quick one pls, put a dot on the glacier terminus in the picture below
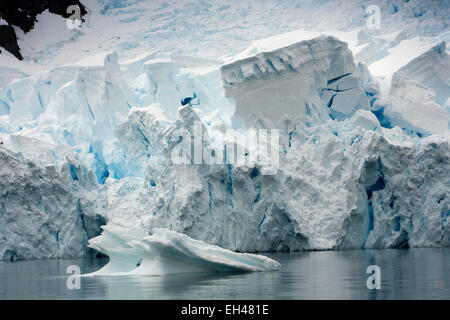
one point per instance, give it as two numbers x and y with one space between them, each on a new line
357 126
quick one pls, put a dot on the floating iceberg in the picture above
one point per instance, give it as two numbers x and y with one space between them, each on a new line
132 252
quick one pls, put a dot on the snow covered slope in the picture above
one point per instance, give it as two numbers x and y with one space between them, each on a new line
212 29
363 157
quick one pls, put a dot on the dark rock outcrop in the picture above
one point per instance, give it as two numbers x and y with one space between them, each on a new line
22 14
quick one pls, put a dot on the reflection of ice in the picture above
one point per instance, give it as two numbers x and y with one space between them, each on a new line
132 252
405 274
203 285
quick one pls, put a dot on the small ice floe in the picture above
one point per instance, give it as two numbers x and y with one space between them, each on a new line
133 252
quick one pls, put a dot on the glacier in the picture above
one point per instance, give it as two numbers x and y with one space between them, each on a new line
290 78
46 211
363 155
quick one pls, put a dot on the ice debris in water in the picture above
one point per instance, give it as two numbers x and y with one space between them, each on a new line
133 252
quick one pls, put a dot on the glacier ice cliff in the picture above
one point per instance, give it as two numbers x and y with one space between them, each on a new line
430 69
46 211
418 93
282 83
91 143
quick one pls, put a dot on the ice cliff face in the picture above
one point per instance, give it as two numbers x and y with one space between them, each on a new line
292 81
46 211
412 105
97 139
419 91
430 69
339 186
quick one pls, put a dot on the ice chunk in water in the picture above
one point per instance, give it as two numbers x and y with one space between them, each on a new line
132 252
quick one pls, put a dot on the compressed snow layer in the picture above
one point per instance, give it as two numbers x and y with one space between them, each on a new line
432 69
289 81
413 106
131 252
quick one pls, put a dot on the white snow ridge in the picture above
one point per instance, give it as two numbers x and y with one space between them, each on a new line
363 158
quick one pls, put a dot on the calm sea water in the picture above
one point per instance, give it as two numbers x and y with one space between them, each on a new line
405 274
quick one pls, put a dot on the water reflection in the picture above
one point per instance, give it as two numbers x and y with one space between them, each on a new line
405 274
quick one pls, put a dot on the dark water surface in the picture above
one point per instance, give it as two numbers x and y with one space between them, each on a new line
405 274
